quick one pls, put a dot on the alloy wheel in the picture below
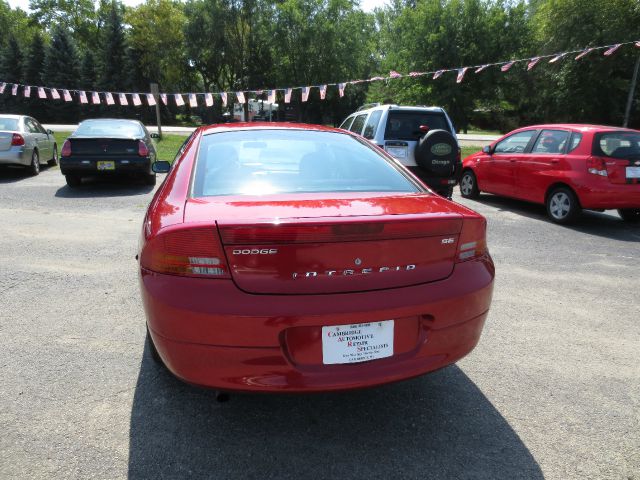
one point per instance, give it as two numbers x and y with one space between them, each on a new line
466 184
560 205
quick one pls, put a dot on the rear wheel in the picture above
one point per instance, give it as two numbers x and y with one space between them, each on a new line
562 205
629 214
54 160
73 180
34 168
469 185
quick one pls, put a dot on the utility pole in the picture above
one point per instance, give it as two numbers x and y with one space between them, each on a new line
156 96
632 90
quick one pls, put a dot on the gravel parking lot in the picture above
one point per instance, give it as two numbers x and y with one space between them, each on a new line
552 390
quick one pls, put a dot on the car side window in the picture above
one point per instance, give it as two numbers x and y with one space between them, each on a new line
182 147
576 138
31 126
347 123
516 143
372 125
358 123
551 142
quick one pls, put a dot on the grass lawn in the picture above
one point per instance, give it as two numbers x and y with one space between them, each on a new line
468 150
166 148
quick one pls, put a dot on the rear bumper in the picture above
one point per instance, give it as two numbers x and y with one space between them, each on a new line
89 166
212 334
437 183
15 156
606 195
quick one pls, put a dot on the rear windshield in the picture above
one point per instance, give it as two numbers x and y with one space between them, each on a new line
617 145
8 124
406 125
260 162
109 128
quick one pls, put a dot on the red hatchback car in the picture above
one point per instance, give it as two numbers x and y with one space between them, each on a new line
281 257
565 167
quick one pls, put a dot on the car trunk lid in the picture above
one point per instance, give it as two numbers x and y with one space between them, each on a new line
5 140
103 147
349 243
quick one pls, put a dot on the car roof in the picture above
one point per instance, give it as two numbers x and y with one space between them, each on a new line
579 127
406 108
132 120
230 127
9 115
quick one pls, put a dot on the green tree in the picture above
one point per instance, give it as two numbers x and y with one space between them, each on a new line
11 62
112 50
61 65
76 16
34 65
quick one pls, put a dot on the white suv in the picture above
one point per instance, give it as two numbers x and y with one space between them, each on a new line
421 138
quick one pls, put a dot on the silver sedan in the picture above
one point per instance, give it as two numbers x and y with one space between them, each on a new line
23 141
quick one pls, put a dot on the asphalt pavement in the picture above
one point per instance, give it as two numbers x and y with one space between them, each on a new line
551 391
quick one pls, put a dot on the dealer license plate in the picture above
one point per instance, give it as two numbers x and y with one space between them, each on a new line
106 165
633 172
357 343
397 152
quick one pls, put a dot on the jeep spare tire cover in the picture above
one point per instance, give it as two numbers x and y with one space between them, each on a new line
437 152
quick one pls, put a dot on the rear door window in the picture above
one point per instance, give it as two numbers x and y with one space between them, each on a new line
551 142
372 124
576 138
617 145
358 123
516 143
347 123
405 125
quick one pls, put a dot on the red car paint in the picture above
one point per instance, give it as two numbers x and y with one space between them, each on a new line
531 176
341 258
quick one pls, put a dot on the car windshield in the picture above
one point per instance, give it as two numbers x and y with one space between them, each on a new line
267 161
10 124
617 144
109 128
406 125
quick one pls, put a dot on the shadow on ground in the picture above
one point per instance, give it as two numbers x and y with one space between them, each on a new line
607 225
93 187
437 426
11 174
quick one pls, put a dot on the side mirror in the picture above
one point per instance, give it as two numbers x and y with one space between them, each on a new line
154 135
49 131
486 149
161 166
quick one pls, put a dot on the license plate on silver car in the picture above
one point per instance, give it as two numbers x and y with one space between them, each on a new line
397 152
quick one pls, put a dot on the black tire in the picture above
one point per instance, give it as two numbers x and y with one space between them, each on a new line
150 179
469 185
73 181
631 215
34 168
562 205
437 154
54 161
153 351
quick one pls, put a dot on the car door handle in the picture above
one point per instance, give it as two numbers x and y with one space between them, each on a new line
555 160
512 160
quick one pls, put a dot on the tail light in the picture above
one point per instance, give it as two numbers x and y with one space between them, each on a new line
596 166
143 150
66 149
193 252
473 239
459 156
17 140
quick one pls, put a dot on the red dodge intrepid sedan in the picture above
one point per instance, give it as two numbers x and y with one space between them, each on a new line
565 167
294 258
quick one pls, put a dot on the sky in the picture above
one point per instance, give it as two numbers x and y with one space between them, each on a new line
367 5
